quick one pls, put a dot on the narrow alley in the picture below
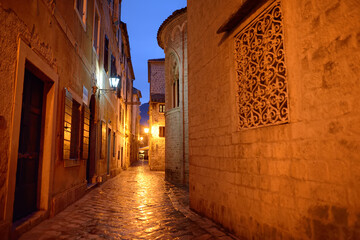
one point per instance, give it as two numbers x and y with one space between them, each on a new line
180 119
136 204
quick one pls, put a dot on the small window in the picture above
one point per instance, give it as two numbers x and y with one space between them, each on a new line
162 108
80 8
161 131
96 33
106 54
113 66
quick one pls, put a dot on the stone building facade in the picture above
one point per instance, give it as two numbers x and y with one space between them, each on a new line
156 114
172 37
273 117
135 125
61 126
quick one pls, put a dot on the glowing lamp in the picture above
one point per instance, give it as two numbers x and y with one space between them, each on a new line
114 81
146 130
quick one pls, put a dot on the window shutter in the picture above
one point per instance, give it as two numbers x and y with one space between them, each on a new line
67 124
86 132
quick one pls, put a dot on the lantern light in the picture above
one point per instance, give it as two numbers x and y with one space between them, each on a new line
114 82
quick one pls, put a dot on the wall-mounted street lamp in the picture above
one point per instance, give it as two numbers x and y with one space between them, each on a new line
146 130
114 82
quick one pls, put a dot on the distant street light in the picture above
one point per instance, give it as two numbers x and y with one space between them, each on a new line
146 130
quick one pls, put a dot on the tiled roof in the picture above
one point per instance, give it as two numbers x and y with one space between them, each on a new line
157 60
158 97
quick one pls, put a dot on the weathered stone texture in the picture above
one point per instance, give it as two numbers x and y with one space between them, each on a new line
293 181
157 75
11 26
156 143
174 147
52 32
173 38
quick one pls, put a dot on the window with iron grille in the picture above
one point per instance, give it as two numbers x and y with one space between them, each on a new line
261 72
162 108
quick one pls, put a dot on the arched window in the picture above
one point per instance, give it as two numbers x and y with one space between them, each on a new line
174 76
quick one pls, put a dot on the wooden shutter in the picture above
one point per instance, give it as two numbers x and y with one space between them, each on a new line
67 124
86 132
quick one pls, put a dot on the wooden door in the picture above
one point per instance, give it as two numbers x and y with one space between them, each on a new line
26 190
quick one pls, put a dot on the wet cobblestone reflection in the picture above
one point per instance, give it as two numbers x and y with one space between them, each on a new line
137 204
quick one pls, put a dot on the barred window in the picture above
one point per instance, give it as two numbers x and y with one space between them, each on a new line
162 108
260 70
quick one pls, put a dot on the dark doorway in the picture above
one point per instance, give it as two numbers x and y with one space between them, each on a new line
26 189
108 151
122 156
90 163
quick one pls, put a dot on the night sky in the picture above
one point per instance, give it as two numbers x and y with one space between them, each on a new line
143 19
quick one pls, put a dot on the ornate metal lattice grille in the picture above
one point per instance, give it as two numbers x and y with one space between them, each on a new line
261 72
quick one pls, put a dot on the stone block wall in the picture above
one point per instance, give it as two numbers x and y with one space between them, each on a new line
156 118
156 143
297 180
58 48
174 147
172 36
157 76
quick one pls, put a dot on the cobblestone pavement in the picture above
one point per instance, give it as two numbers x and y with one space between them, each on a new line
136 204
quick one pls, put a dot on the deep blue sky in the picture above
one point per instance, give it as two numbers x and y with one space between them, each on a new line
143 19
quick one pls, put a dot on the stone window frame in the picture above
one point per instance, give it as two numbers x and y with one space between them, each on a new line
82 16
71 98
248 23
